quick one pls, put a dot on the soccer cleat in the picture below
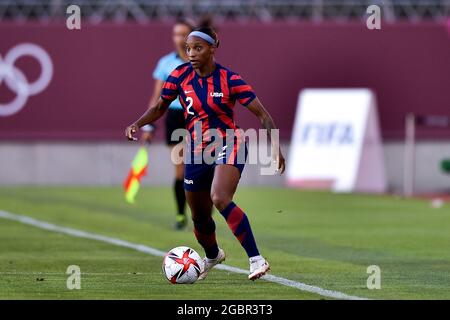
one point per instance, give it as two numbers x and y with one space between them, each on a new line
181 222
258 267
210 263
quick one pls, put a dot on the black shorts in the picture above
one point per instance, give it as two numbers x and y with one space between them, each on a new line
174 120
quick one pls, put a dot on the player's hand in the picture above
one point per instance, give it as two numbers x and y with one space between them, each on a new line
279 160
281 163
130 131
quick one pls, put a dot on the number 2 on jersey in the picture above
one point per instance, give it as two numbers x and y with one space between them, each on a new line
189 101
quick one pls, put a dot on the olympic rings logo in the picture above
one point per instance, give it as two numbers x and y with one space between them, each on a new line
15 79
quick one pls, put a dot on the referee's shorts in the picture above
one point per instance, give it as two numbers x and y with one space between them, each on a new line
174 120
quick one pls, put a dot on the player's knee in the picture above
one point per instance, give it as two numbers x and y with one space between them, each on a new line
220 200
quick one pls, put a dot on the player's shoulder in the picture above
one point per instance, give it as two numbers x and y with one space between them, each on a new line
184 66
181 71
231 75
178 74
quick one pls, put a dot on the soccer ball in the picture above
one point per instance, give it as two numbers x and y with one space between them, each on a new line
182 265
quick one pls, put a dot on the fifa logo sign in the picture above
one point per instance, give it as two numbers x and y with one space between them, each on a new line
327 133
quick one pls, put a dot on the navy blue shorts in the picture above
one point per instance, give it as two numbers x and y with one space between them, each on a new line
199 176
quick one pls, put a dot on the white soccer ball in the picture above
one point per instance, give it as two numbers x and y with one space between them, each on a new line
182 265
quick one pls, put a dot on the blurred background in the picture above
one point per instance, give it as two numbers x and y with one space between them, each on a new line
64 125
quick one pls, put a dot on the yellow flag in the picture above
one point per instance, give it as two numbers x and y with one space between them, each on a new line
138 170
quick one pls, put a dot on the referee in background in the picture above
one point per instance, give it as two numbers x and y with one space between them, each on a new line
175 115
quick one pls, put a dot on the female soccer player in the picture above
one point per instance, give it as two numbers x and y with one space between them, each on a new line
175 114
208 92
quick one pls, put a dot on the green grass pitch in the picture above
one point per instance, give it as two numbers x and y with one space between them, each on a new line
318 238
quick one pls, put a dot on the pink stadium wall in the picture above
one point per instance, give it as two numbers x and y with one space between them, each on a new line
102 74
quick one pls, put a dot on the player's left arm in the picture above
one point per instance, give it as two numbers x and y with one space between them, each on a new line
256 107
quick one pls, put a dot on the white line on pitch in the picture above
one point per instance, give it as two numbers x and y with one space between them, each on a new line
155 252
82 273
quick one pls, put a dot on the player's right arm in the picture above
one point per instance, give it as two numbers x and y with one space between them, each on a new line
169 92
151 115
159 75
149 130
156 92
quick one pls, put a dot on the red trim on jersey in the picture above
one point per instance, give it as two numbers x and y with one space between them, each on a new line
240 89
245 100
178 72
169 85
224 86
188 78
222 111
219 112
